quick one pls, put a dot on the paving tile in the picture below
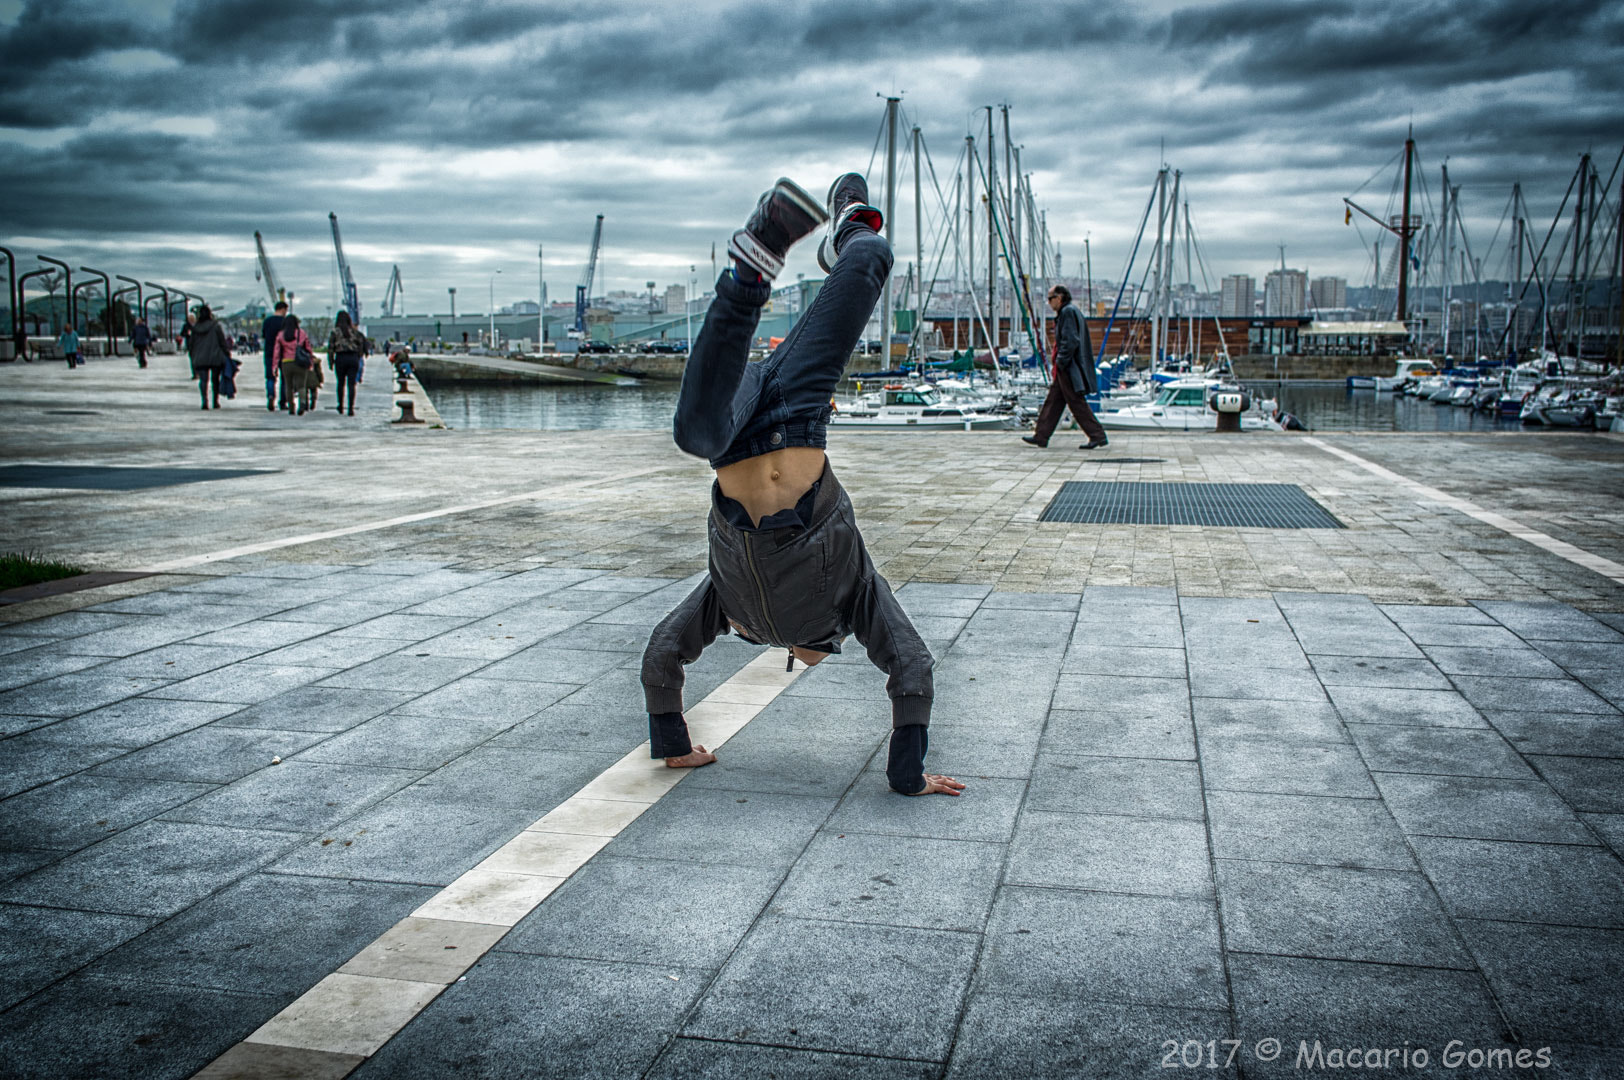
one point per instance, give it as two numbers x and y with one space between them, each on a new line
38 757
405 741
1241 683
984 691
1556 622
900 881
746 828
1113 734
1140 787
1034 601
1137 595
1609 684
1149 950
1588 784
1299 1001
1336 913
805 762
248 1059
71 624
1156 627
1538 732
1515 663
268 933
960 751
181 661
14 864
1545 695
602 637
493 700
1464 635
1125 660
544 1017
489 896
1543 883
1610 827
141 721
1379 671
24 666
707 1059
70 695
404 671
1484 808
348 1014
1284 765
1111 853
295 795
79 810
327 651
648 911
318 708
246 684
1306 829
156 868
1451 751
1296 722
518 778
1554 982
1583 655
40 945
887 990
577 727
541 663
1010 632
552 855
984 811
91 1027
209 755
1414 708
1007 1035
264 635
1126 694
152 632
424 950
337 611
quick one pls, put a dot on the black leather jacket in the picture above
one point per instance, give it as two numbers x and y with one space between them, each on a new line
1075 353
793 586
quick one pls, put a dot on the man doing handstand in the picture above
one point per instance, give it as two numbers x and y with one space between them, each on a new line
787 564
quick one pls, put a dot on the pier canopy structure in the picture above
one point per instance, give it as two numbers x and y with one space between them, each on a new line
1353 338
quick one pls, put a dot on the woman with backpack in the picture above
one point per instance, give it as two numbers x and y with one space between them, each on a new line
344 349
210 351
296 359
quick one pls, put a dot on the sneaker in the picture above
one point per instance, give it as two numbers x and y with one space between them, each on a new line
785 215
848 198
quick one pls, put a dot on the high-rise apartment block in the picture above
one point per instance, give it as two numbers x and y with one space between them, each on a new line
1237 298
1285 292
1328 293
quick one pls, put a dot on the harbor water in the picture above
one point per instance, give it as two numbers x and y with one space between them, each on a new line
568 407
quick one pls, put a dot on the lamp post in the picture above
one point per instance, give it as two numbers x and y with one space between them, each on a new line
688 309
140 302
453 293
12 303
67 286
165 294
107 315
492 284
541 318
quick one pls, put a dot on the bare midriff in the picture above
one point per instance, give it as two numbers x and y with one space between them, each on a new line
771 482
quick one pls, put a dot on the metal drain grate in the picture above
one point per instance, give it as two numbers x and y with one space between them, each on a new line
1257 506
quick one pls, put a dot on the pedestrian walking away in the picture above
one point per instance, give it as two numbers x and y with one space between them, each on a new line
788 567
210 351
268 330
69 344
296 361
140 341
1074 375
345 346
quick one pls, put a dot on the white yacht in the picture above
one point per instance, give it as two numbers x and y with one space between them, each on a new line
1181 406
914 407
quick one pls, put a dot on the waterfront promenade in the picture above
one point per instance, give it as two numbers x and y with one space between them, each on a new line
351 781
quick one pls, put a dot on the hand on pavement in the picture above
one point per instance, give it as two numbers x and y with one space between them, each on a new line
940 785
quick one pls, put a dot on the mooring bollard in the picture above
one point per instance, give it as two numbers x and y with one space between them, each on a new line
1229 402
408 414
401 387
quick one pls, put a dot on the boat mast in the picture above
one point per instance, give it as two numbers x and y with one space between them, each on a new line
1404 239
919 242
1169 320
1514 316
1446 251
1618 274
970 226
1189 278
886 315
958 201
1573 265
1156 280
993 319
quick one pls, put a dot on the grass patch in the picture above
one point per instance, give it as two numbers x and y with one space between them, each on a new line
19 568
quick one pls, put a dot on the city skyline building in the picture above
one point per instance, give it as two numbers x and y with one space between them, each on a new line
1328 293
1238 297
1285 292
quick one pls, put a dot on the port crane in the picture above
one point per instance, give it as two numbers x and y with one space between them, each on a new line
395 295
583 291
266 274
346 280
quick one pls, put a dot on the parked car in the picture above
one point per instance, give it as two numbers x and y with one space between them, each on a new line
596 347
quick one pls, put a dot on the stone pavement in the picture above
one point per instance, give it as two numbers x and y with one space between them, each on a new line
1224 784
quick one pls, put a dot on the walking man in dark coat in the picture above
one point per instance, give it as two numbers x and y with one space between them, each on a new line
268 330
1074 375
141 341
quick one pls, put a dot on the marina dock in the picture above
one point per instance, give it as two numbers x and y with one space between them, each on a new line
348 776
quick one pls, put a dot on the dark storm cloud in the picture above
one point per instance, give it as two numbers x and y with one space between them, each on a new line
450 129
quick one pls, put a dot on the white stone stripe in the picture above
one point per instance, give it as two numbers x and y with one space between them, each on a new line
387 523
361 1006
1577 555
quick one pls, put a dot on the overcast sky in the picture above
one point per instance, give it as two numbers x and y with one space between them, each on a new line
152 137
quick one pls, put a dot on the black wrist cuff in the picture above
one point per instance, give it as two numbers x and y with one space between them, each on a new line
667 735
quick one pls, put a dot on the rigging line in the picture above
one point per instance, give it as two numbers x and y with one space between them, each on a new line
879 136
1127 273
1009 265
1488 253
1535 270
1379 170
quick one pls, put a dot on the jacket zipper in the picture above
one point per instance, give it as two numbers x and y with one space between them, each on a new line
761 592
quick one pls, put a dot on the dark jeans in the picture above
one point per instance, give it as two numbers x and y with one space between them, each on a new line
730 409
270 382
1060 396
348 367
207 379
141 355
73 359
